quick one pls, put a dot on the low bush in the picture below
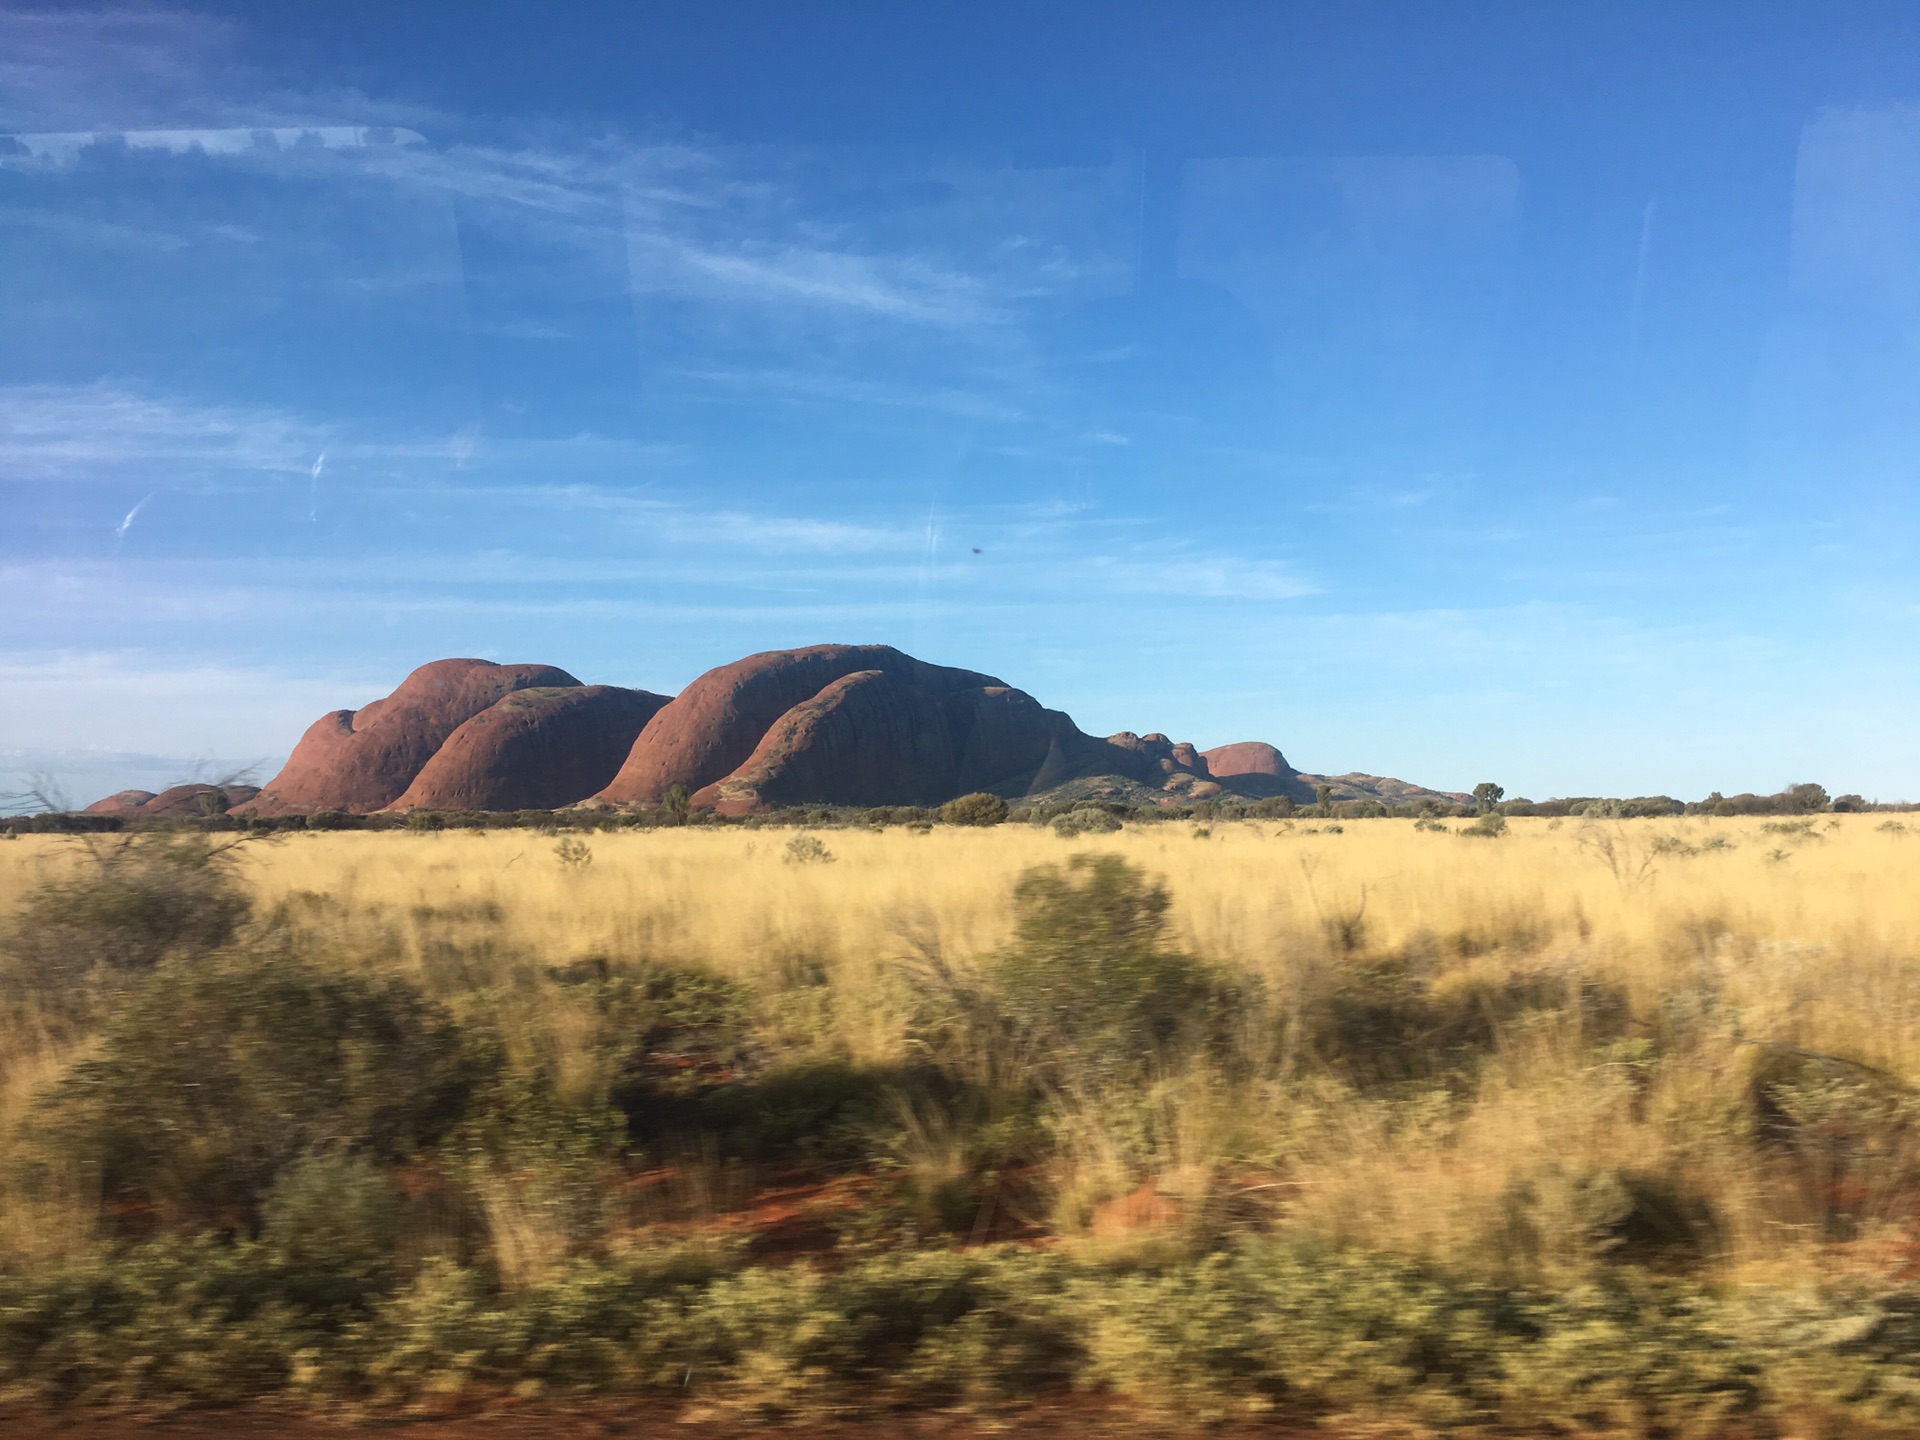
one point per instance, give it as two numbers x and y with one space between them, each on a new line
976 809
1298 1335
1086 819
211 1080
1091 983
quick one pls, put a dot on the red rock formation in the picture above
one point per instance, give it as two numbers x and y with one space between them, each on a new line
363 760
828 724
536 749
181 801
716 723
1254 769
1156 754
121 802
915 734
879 737
1004 739
185 800
1246 757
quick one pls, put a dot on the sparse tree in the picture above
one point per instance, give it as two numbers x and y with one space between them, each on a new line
42 794
676 804
1486 795
1805 797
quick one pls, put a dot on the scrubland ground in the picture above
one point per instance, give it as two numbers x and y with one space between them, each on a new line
1583 1128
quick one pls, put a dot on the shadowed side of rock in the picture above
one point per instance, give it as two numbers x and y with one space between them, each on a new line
364 760
714 726
536 749
917 735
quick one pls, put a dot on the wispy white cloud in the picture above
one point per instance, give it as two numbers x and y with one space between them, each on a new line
1198 575
968 404
109 431
66 147
80 432
145 67
673 524
72 69
106 720
904 288
120 530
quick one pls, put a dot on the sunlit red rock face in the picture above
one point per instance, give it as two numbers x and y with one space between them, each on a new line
535 749
1246 757
363 760
1256 769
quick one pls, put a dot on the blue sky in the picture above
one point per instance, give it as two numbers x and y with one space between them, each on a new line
1512 391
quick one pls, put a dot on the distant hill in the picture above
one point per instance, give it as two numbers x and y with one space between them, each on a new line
862 725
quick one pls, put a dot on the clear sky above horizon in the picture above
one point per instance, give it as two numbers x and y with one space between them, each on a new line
1453 391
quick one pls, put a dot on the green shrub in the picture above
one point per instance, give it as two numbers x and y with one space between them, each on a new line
212 1079
1301 1337
1090 980
332 1226
976 809
1088 818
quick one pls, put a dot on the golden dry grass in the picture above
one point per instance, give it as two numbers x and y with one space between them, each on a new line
1730 935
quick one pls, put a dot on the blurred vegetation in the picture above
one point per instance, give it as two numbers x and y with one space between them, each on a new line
1068 816
1438 1177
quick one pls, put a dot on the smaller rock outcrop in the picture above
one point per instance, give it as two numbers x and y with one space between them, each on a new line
364 760
902 733
1358 786
1257 770
121 802
176 803
717 723
1247 757
537 749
